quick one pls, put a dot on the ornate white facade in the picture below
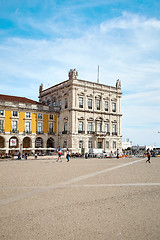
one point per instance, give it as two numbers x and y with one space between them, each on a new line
89 115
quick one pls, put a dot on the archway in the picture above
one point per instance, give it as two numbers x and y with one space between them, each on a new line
27 143
50 144
13 145
39 145
2 145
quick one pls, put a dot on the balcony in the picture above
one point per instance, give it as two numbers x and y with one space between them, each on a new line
114 133
100 133
107 133
80 131
54 108
39 132
64 132
27 132
51 132
14 131
90 132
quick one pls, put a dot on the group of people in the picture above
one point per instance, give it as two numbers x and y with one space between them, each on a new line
60 155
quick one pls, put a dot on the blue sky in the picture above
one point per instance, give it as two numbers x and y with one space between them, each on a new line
41 40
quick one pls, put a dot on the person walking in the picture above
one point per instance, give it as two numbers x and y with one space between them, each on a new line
117 153
67 155
59 154
148 156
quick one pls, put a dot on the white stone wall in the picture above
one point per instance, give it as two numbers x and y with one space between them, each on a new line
73 89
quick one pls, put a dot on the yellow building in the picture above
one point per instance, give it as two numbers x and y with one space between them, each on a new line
26 126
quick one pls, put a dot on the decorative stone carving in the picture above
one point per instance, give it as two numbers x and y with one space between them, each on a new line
118 84
73 74
41 88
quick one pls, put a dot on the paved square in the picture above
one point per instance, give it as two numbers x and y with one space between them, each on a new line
83 199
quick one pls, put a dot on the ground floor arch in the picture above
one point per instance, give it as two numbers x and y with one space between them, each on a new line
2 145
13 145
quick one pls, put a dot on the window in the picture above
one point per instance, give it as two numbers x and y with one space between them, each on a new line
60 104
80 144
39 115
81 102
1 126
99 144
90 145
114 144
99 127
54 103
65 126
28 114
114 107
66 102
106 105
1 112
80 127
114 128
28 127
51 117
107 144
89 103
98 104
89 126
14 126
15 114
48 102
40 127
106 127
51 127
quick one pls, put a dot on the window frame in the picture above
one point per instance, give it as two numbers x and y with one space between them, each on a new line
98 102
106 106
80 102
66 103
114 107
14 113
1 112
89 103
40 116
27 116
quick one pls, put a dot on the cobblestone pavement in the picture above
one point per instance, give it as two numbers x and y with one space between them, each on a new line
83 199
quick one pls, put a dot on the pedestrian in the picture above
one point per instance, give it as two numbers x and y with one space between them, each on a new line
35 155
67 155
111 154
117 153
148 156
59 154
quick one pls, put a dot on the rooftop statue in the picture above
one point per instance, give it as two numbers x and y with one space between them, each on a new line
118 84
41 87
73 74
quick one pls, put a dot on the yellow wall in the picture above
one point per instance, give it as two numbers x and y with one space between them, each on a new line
34 122
21 122
45 123
7 124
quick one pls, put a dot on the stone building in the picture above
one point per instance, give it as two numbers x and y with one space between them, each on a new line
89 113
26 126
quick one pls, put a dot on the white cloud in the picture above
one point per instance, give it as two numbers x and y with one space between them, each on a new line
131 55
130 21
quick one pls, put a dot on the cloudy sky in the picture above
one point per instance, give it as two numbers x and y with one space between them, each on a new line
41 40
